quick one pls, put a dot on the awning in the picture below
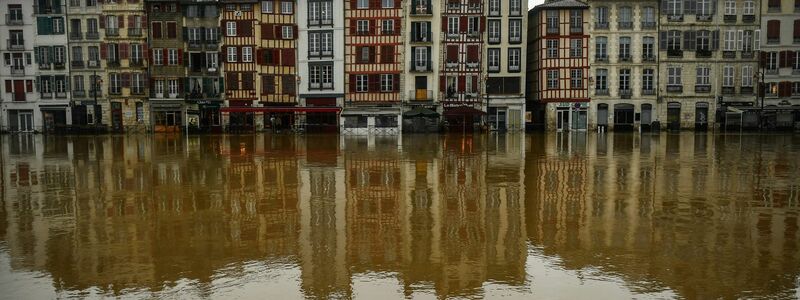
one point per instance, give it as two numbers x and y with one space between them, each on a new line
420 112
462 111
282 109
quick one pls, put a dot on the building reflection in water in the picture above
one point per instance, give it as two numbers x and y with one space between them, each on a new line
701 215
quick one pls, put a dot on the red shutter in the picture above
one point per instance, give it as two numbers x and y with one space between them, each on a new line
131 21
295 33
144 21
791 57
102 21
353 25
103 50
267 32
773 29
245 28
398 3
372 54
121 21
374 81
452 53
462 83
276 56
144 51
259 57
180 85
444 24
373 27
763 58
472 53
276 29
462 24
165 56
796 27
398 24
8 86
353 4
123 50
287 57
442 83
352 84
29 86
126 79
156 31
483 24
396 83
180 56
475 83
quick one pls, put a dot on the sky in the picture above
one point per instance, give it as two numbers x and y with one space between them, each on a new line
532 3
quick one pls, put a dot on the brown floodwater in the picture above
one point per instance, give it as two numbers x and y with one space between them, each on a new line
543 216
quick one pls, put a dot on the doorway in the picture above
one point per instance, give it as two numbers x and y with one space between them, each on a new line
701 116
673 116
623 117
116 117
647 116
25 121
562 119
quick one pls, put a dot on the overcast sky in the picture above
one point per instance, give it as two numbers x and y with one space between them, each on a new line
532 3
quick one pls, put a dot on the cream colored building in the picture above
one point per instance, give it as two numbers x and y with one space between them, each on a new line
504 57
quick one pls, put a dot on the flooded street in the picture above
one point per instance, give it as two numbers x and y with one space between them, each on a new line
542 216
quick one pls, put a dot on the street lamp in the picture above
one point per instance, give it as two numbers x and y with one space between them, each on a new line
759 76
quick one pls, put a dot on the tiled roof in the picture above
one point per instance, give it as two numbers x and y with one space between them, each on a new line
561 4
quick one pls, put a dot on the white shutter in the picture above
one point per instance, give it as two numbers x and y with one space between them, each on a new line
757 40
740 40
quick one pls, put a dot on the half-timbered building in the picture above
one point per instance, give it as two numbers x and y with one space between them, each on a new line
203 82
124 50
238 25
558 65
277 62
373 67
460 68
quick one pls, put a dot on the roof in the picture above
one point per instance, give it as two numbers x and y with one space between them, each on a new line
556 4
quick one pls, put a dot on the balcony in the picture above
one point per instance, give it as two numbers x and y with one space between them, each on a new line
625 25
473 64
136 62
624 57
728 90
648 57
674 88
451 64
92 35
514 39
112 32
513 68
728 54
625 94
705 53
453 6
677 53
747 54
93 64
601 25
59 65
514 12
78 94
113 63
76 36
137 90
421 66
18 44
61 95
494 39
648 91
387 32
648 25
45 66
47 95
195 44
134 32
771 71
422 10
17 70
552 30
96 93
748 18
675 18
601 58
702 88
494 68
473 34
746 90
795 71
420 39
601 92
729 18
576 30
773 40
115 90
704 18
421 95
14 19
494 13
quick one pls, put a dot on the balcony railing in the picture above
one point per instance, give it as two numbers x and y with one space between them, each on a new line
625 25
134 31
674 88
704 18
112 31
13 19
96 93
451 64
648 91
494 13
746 90
514 39
674 53
474 34
601 57
472 64
78 93
115 90
728 90
112 63
624 57
513 68
747 54
195 44
422 10
729 18
93 64
552 30
136 62
45 66
601 25
703 53
625 94
61 95
18 44
495 68
92 35
16 70
574 30
748 18
137 90
494 39
421 66
773 40
727 54
702 88
774 9
59 65
421 95
648 57
772 71
648 25
601 92
48 95
795 71
675 18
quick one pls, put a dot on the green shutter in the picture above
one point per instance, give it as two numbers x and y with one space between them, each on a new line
207 85
221 85
51 52
44 25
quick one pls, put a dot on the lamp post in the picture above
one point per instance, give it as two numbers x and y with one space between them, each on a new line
759 76
96 88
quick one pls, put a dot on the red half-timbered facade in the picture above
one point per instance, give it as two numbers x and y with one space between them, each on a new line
558 35
373 51
238 28
275 54
461 75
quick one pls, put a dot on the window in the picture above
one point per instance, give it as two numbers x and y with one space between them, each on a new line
194 34
795 88
172 87
674 7
230 27
747 41
552 21
648 47
231 54
158 56
114 85
494 7
58 25
321 76
387 3
514 60
648 17
624 80
624 48
211 60
576 78
172 57
319 12
601 17
137 84
362 27
747 76
730 7
727 76
796 62
494 31
601 48
625 18
77 83
362 4
552 79
387 26
749 8
361 83
192 11
772 60
314 43
703 76
575 19
287 7
704 8
287 33
211 35
452 25
704 40
60 54
601 81
730 40
159 87
247 54
576 47
674 76
674 40
494 59
387 82
648 78
420 57
515 8
94 53
472 25
552 48
514 31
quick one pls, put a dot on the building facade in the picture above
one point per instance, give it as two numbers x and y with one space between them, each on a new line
277 62
624 71
85 66
168 79
506 30
239 68
123 51
780 62
19 101
373 66
50 55
558 62
421 73
203 84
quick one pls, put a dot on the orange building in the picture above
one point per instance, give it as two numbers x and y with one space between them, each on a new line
238 26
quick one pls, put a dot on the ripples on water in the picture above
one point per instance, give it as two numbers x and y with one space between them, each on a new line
514 216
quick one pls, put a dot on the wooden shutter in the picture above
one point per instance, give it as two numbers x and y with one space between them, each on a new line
126 80
773 29
715 40
372 54
764 58
373 27
287 58
103 50
398 24
443 83
144 21
131 21
444 24
267 32
662 37
462 83
180 56
120 21
374 81
172 30
396 82
352 83
796 29
156 30
472 53
102 21
387 54
689 40
123 50
462 24
353 25
452 53
244 28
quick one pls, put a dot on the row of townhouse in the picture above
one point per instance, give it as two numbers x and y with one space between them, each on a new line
354 66
672 64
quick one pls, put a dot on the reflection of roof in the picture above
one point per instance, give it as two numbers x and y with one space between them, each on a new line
561 4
